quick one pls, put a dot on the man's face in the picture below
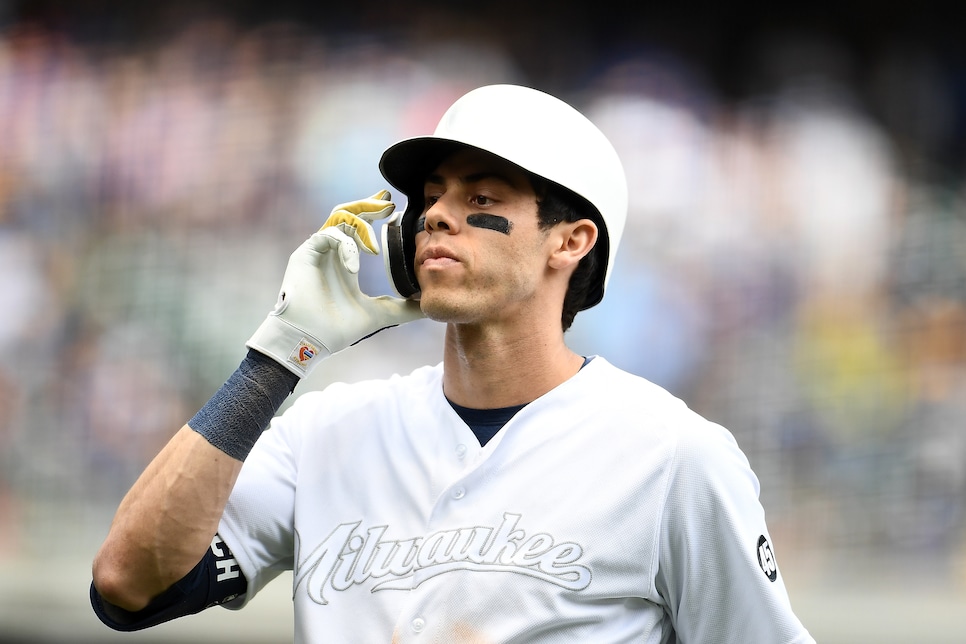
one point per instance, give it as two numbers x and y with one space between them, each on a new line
480 254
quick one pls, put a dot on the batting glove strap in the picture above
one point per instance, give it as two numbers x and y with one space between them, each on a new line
290 346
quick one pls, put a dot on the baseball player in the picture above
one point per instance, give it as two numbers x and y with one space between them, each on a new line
516 492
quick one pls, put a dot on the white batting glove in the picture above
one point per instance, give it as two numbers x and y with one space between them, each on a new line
321 309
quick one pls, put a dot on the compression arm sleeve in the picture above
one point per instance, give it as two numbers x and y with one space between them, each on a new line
216 579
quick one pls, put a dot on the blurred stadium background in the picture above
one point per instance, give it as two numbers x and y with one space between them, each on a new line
794 265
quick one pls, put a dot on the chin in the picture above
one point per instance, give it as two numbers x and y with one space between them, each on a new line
445 309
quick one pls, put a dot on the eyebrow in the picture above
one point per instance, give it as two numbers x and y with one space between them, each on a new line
473 178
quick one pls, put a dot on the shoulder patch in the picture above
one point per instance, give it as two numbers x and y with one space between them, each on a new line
766 558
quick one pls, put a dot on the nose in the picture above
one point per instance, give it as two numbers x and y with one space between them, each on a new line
439 217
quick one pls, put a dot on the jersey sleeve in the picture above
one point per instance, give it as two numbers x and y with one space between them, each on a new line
717 570
258 520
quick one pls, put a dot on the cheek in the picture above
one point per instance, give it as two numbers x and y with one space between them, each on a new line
516 263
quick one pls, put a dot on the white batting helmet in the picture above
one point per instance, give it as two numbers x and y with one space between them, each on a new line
529 128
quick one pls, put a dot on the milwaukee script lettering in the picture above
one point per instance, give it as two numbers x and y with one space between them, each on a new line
350 556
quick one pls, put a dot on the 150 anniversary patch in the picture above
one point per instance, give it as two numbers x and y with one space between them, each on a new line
766 558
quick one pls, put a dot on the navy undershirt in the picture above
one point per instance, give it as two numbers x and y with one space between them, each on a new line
485 423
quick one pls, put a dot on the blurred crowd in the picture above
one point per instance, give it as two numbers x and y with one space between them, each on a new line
792 268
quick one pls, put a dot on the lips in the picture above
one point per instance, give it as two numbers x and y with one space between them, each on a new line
435 256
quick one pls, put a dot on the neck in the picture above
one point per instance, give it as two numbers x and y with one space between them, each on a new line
487 368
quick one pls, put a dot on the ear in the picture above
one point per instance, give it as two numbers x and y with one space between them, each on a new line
572 241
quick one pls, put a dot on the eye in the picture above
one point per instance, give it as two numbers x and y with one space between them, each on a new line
481 200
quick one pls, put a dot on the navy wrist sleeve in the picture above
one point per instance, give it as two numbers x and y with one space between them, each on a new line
241 410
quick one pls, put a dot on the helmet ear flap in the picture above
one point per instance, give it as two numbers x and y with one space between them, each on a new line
399 257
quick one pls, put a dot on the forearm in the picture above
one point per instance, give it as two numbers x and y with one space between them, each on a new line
166 522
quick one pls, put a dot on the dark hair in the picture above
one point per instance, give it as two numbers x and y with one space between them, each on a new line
556 204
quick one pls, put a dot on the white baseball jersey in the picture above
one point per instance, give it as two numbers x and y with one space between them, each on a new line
604 511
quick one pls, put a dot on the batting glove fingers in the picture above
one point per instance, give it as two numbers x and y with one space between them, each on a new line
355 219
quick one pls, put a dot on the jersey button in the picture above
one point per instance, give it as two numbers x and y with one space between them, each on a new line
418 625
458 492
461 451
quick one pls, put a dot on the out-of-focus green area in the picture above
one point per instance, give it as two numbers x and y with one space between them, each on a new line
794 264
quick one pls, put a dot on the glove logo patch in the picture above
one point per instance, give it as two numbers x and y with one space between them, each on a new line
303 353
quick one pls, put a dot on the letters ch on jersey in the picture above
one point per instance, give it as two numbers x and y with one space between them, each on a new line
349 556
226 564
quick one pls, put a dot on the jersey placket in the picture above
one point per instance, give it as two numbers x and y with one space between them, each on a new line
464 459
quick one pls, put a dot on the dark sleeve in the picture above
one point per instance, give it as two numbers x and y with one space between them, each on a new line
216 579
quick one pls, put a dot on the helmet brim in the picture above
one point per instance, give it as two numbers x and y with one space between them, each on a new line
406 164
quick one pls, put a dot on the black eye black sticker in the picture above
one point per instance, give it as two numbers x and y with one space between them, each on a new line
492 222
766 559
